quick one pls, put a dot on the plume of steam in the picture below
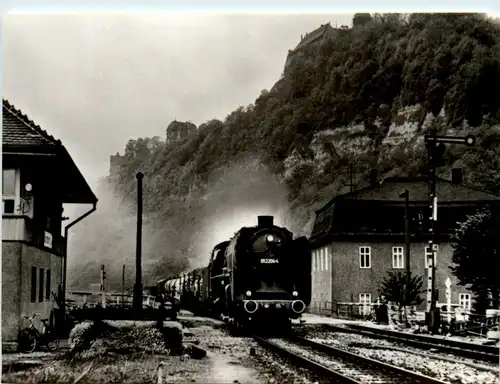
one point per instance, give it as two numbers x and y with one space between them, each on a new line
109 237
235 196
179 240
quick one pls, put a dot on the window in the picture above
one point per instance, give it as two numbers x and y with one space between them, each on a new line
397 257
428 253
365 298
47 287
327 259
40 288
365 257
323 261
33 284
464 301
8 191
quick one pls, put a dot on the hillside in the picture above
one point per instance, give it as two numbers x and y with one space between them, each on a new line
360 98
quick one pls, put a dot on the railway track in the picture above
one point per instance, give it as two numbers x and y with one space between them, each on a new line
479 352
340 366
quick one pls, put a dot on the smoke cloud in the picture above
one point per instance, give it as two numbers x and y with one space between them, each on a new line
182 240
236 195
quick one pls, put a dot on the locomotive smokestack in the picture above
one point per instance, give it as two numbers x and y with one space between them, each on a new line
265 221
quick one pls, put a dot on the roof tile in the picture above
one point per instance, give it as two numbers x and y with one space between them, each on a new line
19 130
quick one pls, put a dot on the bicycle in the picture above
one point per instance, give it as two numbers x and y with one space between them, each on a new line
30 337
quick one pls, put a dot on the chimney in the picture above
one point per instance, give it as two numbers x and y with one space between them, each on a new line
373 176
265 221
456 176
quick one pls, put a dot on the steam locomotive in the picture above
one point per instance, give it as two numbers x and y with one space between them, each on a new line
260 274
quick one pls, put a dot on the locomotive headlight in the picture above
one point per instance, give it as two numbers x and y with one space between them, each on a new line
266 305
295 293
270 238
249 293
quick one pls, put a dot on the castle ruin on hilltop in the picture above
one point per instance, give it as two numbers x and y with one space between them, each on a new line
178 131
315 38
115 162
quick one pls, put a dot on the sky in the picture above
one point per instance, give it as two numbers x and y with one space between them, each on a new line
94 81
97 80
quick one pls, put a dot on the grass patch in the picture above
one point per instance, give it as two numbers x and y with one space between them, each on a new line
113 368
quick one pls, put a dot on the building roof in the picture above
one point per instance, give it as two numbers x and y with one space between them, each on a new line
21 136
390 189
19 130
339 216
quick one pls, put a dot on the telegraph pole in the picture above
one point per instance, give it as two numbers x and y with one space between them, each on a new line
436 147
103 288
406 195
123 285
137 302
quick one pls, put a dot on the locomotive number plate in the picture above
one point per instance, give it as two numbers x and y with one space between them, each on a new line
269 261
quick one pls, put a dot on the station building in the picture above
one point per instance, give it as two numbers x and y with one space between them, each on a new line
38 177
359 236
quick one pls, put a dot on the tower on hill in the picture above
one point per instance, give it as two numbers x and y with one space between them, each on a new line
115 162
178 131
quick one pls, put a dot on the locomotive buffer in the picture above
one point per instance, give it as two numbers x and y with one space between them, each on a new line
436 147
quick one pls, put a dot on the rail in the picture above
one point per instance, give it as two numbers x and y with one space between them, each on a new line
457 348
304 362
342 366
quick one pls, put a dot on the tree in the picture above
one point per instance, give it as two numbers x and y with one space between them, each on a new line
364 76
361 19
476 245
396 289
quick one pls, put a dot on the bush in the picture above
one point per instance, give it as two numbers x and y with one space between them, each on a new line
99 338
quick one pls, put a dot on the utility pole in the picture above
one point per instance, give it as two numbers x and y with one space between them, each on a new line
406 195
123 285
436 148
351 175
137 302
103 289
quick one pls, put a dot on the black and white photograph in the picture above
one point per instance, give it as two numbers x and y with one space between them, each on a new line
217 197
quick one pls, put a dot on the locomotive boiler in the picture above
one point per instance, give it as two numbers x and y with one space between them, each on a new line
260 274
